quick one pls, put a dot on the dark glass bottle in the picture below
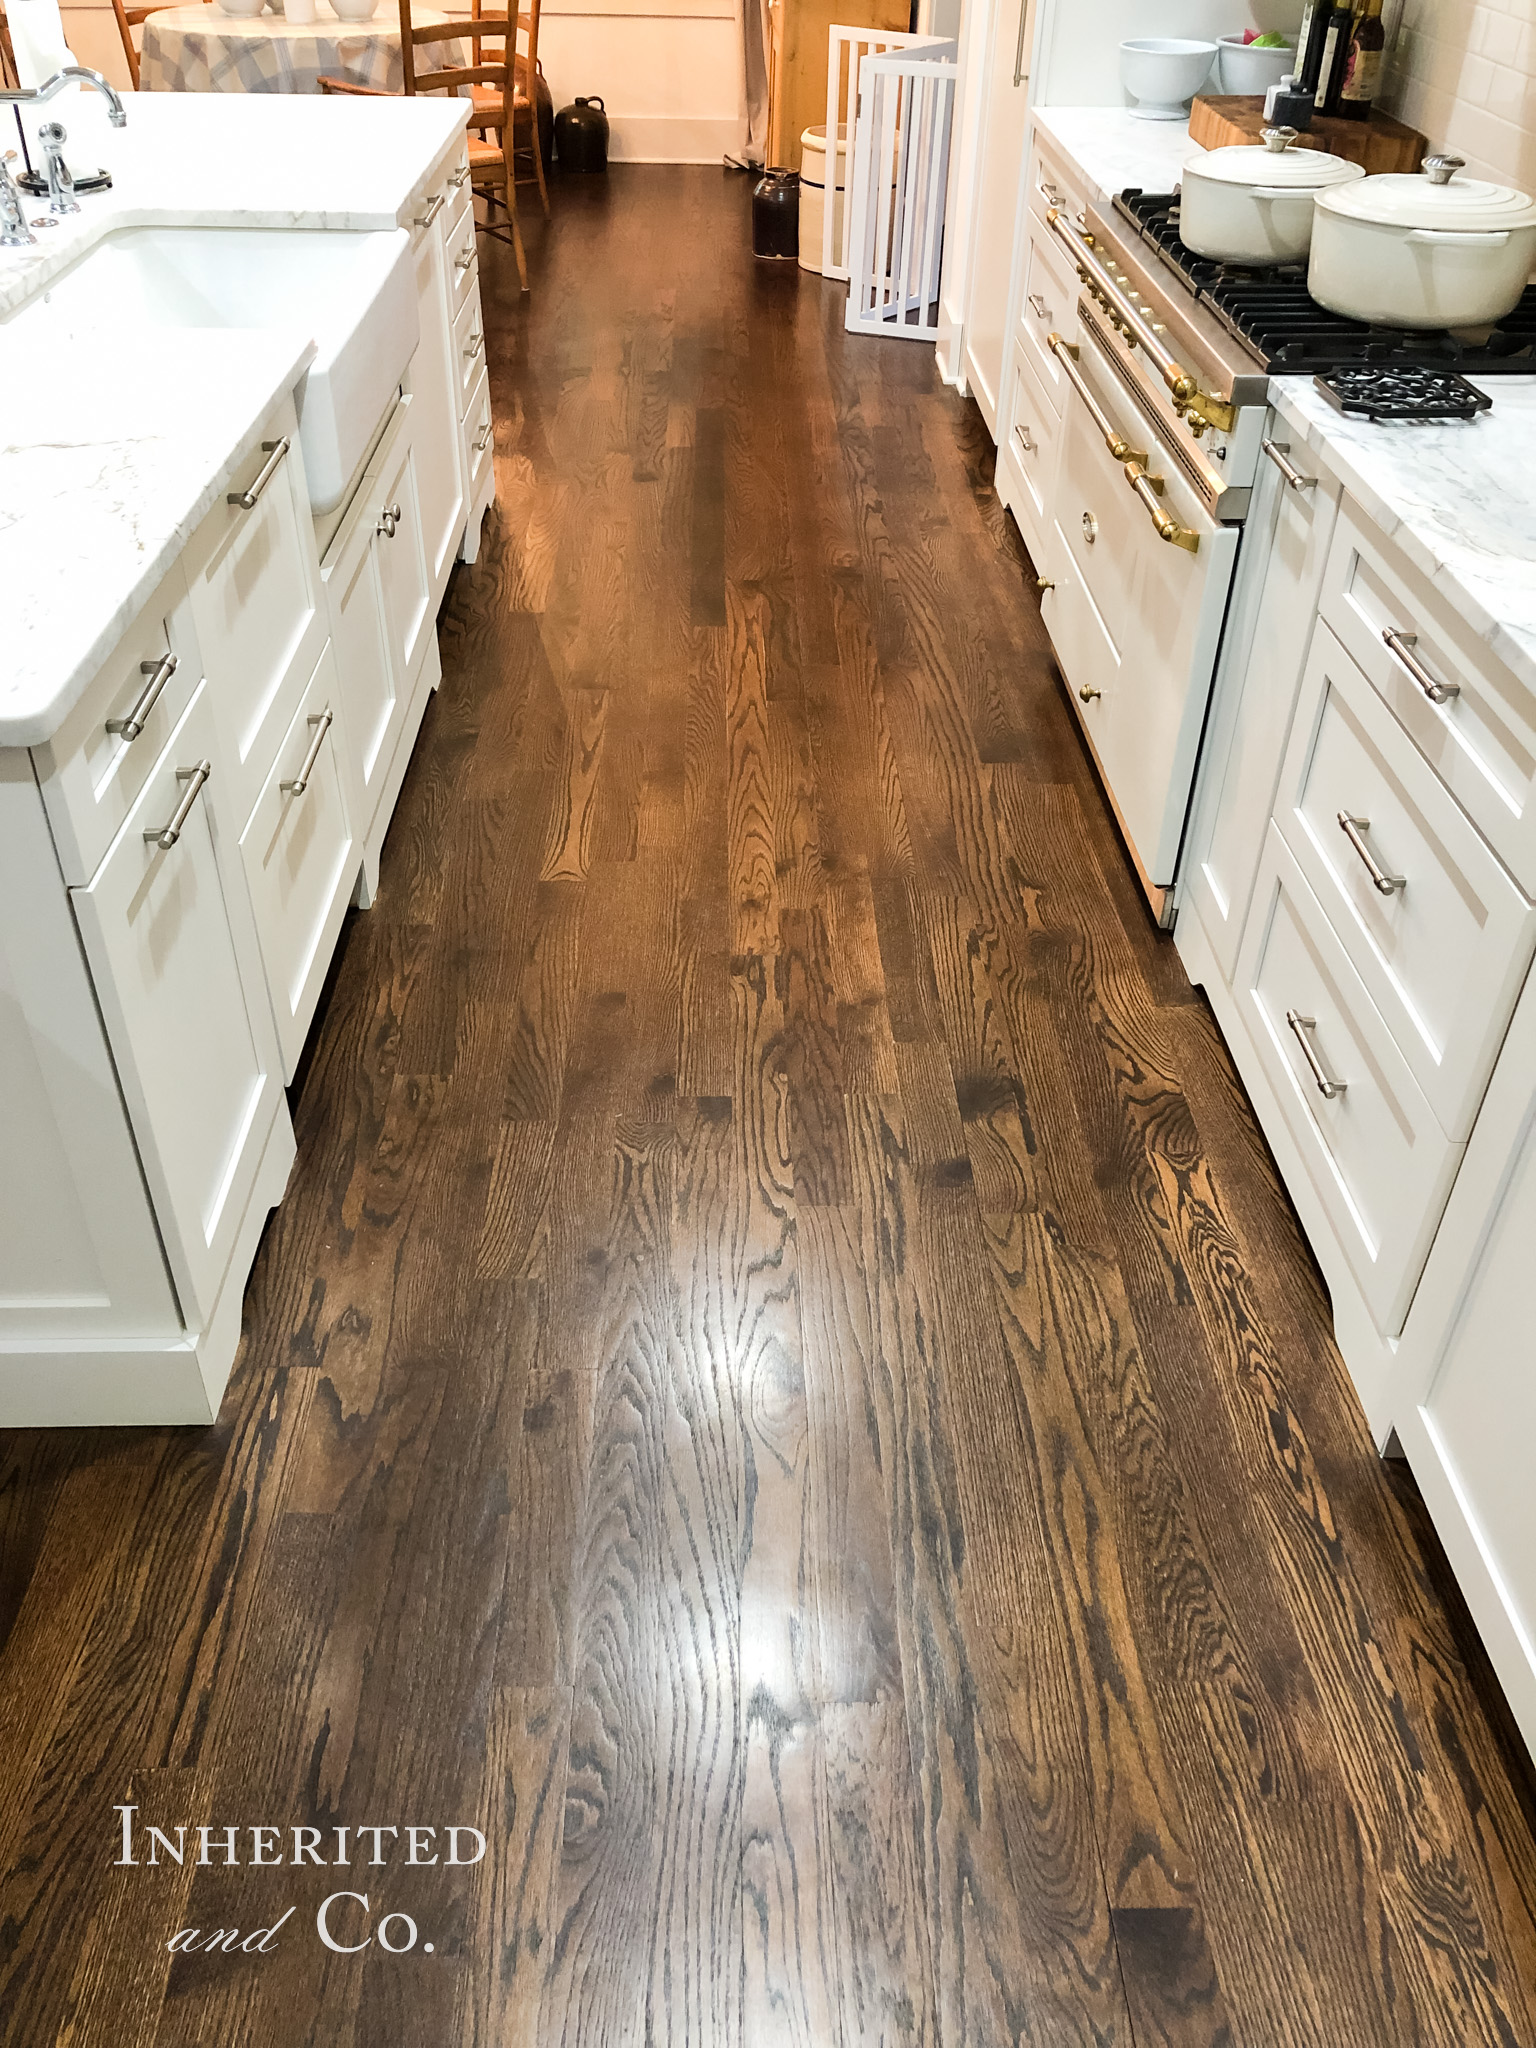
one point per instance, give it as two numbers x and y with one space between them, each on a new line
1362 76
1309 43
1335 60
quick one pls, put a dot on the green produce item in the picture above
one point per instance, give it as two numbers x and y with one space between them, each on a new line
1272 40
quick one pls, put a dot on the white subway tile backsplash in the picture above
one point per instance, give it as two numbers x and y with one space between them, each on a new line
1464 71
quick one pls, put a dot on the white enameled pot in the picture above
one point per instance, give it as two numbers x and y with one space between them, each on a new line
1253 203
1430 250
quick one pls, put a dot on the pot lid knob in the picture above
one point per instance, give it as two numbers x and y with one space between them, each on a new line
1438 169
1279 139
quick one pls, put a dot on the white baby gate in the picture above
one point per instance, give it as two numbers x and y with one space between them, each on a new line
846 48
898 175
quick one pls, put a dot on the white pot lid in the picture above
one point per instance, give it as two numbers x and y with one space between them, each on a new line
1276 161
1434 198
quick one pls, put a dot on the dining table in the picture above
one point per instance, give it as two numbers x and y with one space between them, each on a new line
203 49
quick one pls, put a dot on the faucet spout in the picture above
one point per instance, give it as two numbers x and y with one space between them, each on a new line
37 95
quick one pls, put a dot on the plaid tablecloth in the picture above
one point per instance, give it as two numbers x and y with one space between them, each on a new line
201 49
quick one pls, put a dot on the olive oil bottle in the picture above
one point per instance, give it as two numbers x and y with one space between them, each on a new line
1362 74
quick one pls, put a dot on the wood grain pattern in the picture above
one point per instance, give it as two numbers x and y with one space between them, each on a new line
785 1389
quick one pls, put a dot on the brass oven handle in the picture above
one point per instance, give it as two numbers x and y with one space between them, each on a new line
1352 828
1065 353
274 452
1149 489
1402 645
1137 329
159 673
166 836
1279 453
1327 1087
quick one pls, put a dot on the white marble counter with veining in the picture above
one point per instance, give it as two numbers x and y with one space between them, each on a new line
113 448
1114 149
1458 497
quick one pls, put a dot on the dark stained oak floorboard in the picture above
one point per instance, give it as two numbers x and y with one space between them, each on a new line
785 1388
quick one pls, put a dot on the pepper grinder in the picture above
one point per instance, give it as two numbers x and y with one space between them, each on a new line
61 183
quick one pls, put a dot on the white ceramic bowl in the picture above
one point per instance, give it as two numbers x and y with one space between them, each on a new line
242 10
1163 74
1246 69
356 10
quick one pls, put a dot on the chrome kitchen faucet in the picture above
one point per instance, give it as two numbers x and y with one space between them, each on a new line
14 232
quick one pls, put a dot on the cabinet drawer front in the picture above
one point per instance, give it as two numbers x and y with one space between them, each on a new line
401 553
301 859
1444 954
480 440
1379 1159
463 265
1048 306
255 585
1481 742
193 1043
94 767
1033 432
468 348
1051 183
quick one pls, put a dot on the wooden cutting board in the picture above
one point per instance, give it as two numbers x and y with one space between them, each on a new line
1380 144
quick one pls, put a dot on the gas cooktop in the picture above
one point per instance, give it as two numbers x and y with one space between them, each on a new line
1275 315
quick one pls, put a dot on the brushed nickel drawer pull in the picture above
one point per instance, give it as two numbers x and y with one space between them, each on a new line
484 439
1279 453
1353 828
456 178
159 673
274 452
476 343
166 836
1327 1087
321 722
466 256
1402 645
1066 353
1038 307
389 519
434 207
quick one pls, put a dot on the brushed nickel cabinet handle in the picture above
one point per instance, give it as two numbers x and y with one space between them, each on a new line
1018 50
434 207
1038 306
389 519
1352 828
476 343
1279 453
159 673
466 256
484 439
1402 645
166 836
1327 1087
456 178
321 722
274 452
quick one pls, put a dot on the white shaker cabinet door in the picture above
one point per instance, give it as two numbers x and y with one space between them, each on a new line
400 549
190 1029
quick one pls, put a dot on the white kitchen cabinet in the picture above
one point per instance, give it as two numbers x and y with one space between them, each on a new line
1431 920
1269 630
989 312
1466 1408
301 857
166 935
254 580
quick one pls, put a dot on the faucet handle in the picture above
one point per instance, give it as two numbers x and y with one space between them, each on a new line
14 232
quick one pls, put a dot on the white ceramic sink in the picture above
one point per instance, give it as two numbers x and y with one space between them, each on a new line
354 295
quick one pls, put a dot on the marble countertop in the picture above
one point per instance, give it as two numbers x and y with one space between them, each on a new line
112 449
1458 497
1114 150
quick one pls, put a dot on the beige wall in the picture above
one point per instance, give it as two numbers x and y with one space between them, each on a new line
1464 71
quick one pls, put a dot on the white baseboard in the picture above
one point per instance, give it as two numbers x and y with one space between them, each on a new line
673 138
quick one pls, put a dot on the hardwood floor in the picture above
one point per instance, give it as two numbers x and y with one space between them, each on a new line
785 1390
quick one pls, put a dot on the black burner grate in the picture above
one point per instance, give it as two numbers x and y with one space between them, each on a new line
1401 391
1274 313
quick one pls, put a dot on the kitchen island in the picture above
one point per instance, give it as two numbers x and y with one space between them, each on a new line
230 502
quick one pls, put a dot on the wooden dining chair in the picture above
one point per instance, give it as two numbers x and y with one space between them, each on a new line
130 18
525 104
9 75
491 162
